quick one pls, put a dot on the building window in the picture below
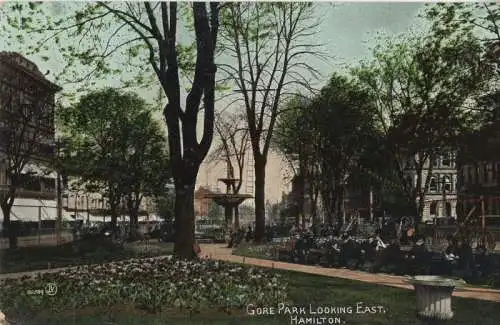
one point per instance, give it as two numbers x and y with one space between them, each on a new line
446 183
446 160
491 206
433 208
448 209
433 187
435 162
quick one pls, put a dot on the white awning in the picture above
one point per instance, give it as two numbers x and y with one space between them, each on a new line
39 171
83 216
151 218
32 210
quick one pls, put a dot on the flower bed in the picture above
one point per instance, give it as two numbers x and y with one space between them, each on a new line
151 284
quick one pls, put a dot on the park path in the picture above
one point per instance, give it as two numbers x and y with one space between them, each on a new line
220 252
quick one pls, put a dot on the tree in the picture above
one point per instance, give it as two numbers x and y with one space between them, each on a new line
146 164
270 45
165 205
343 119
26 117
454 18
328 137
294 138
114 144
146 31
232 147
214 211
481 19
421 86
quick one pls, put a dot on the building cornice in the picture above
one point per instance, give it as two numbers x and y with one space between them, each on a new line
23 65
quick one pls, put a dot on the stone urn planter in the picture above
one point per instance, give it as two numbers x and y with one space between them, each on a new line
433 296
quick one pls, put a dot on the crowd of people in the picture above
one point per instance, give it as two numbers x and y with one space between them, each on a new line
408 255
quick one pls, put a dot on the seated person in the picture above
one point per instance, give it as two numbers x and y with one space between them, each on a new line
452 249
465 254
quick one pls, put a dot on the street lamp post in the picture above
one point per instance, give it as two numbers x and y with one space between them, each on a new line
59 207
59 195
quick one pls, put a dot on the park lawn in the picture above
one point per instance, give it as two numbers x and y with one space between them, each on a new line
304 290
35 258
265 251
268 252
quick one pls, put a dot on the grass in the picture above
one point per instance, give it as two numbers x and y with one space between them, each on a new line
256 251
305 290
269 252
75 253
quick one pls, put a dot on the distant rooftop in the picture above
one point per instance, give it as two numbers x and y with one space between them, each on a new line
21 61
28 66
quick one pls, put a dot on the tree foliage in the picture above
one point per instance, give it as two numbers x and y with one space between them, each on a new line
422 86
144 35
450 19
114 143
327 138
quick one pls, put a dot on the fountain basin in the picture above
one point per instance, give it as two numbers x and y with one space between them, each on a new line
433 296
228 199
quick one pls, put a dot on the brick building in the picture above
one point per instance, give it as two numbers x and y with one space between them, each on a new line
441 195
479 173
27 101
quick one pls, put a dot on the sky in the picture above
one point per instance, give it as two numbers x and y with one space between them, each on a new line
347 30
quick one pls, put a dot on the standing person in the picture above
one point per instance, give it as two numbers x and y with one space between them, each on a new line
249 234
232 235
123 233
465 257
74 231
451 256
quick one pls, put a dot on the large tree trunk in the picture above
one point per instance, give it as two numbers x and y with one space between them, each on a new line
339 204
260 204
134 223
114 202
133 211
113 207
327 196
9 228
313 193
184 220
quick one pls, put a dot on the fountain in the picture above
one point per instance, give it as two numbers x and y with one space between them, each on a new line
229 200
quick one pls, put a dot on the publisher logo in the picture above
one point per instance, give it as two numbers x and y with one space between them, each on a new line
50 289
